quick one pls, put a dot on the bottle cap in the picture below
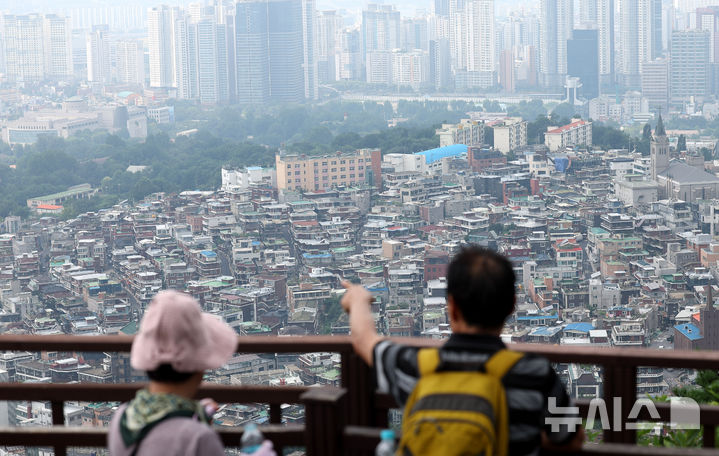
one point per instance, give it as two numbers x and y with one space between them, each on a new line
386 434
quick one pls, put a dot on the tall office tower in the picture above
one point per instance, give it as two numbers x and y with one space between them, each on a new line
160 43
481 57
224 11
689 73
329 27
23 40
186 55
269 57
309 49
380 28
57 33
708 19
583 61
605 38
440 61
506 71
655 84
130 63
588 10
555 26
655 8
350 65
415 34
635 40
97 45
441 7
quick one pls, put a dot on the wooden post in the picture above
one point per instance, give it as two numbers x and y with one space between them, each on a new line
324 420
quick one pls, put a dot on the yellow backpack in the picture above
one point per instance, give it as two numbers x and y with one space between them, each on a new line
457 412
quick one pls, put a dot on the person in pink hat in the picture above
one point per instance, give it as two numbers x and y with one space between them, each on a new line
176 343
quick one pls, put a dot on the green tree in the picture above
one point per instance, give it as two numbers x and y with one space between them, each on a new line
647 132
682 143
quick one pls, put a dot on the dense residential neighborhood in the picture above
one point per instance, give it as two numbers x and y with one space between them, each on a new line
606 252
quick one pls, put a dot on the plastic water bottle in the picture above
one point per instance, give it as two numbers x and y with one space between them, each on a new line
386 446
251 439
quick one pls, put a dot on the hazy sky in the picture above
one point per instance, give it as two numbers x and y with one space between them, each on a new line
407 7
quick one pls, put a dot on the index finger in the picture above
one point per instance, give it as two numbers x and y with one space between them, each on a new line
347 284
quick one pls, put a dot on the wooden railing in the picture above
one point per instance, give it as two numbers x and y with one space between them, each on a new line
337 420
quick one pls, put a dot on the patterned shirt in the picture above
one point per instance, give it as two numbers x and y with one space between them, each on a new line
529 385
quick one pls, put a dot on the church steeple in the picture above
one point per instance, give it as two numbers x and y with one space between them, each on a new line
660 131
659 150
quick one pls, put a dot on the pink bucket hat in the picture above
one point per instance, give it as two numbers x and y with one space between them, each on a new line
175 331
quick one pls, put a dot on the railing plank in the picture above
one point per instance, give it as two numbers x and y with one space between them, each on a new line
341 344
289 435
120 392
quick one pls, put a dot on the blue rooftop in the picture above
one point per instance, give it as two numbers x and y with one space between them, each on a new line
208 253
432 155
580 327
545 331
317 255
537 317
690 331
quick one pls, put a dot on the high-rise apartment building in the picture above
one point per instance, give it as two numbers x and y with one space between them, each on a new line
130 62
186 55
329 27
37 47
410 69
380 29
309 49
57 46
97 48
689 67
160 44
481 56
350 64
440 61
269 51
555 24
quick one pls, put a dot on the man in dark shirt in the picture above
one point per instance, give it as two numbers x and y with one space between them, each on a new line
480 297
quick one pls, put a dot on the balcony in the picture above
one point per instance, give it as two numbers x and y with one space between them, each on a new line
343 420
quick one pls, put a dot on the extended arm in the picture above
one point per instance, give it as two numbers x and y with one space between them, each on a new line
357 302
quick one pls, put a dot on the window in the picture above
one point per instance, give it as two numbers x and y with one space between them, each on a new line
352 176
297 173
342 169
289 173
334 170
324 163
334 162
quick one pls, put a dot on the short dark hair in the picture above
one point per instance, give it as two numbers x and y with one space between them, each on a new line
165 373
481 282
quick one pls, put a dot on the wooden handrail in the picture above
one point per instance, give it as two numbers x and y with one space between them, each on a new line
120 392
64 436
341 344
363 407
